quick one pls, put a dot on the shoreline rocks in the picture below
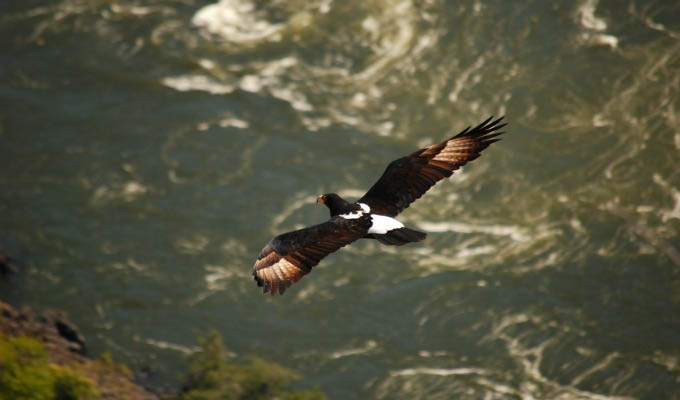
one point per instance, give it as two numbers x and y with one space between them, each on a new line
65 346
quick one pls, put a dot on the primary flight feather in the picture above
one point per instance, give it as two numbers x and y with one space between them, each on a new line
290 256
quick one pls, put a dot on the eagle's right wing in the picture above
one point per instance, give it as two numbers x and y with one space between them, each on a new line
290 256
408 178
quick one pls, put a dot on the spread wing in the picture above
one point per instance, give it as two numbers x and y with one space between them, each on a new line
408 178
290 256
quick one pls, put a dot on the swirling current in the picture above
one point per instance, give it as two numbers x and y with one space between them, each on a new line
150 149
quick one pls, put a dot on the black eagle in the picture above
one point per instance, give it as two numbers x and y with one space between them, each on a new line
290 256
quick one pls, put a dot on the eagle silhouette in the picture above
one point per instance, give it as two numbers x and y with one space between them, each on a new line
290 256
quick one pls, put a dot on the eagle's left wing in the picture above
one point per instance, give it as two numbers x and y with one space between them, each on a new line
290 256
408 178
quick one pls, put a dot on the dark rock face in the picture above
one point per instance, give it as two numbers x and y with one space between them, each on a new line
66 329
7 264
65 344
52 327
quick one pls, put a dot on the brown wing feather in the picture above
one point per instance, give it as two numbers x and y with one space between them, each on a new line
290 256
408 178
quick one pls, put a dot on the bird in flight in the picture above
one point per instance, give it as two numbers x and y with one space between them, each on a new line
290 256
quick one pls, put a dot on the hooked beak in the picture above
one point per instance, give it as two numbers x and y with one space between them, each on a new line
321 199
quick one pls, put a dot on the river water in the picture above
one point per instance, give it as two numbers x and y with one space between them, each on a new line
150 149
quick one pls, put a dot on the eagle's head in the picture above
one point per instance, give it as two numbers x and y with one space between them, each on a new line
336 204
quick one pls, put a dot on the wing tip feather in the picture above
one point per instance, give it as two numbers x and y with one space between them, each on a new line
487 126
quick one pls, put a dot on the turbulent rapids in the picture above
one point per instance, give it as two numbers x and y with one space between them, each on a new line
149 147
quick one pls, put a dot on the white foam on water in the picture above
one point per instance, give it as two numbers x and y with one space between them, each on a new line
513 232
296 98
468 252
185 83
127 191
270 78
599 39
301 199
586 12
647 20
234 123
161 344
439 371
217 276
673 213
131 10
193 244
235 21
510 330
251 83
389 48
391 37
463 79
428 354
368 347
594 25
132 264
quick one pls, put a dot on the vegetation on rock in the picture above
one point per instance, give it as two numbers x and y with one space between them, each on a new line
212 377
26 373
37 362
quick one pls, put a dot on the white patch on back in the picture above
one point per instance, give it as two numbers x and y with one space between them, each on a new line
365 209
382 224
352 215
